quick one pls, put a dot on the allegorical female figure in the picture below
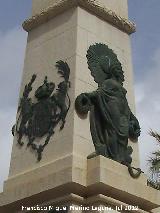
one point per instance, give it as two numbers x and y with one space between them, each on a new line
111 120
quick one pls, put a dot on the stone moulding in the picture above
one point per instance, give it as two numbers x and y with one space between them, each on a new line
90 5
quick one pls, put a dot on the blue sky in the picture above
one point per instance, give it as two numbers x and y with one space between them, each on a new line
145 14
13 13
146 63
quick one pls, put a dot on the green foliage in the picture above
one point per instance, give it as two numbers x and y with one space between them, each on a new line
154 161
153 184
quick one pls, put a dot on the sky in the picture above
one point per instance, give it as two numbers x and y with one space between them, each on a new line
146 64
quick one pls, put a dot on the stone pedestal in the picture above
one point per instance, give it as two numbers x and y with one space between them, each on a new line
78 182
64 30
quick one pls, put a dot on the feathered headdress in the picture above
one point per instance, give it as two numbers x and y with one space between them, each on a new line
102 61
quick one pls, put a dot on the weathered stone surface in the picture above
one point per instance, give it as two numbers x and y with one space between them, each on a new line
50 9
84 178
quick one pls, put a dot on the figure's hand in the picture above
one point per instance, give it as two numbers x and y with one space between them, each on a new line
134 130
138 132
91 95
83 103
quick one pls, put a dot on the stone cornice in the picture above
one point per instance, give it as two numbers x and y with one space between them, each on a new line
90 5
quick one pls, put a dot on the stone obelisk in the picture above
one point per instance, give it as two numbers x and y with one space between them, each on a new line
64 30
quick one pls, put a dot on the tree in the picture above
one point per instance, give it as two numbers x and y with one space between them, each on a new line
154 161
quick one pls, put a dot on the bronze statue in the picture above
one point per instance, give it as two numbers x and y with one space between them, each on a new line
111 120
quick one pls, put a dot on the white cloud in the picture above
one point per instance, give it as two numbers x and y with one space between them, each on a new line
148 108
12 48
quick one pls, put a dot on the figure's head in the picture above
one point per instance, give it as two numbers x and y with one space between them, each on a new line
105 64
113 70
117 72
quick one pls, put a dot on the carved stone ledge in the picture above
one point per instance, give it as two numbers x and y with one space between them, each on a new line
89 5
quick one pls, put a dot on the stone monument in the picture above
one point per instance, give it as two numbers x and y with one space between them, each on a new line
55 164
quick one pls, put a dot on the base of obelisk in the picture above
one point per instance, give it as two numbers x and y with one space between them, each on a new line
95 185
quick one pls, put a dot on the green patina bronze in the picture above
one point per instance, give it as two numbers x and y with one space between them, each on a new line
39 118
111 120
